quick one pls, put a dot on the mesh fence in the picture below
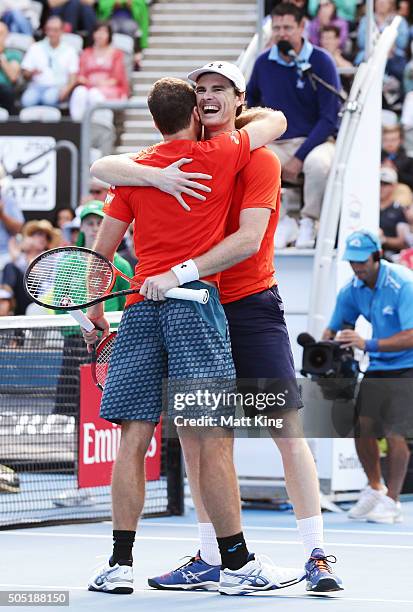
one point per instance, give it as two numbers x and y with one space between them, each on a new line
40 359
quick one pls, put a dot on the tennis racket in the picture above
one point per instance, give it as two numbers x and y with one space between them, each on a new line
100 360
70 278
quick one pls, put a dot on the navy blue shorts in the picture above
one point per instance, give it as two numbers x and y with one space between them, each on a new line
181 344
261 348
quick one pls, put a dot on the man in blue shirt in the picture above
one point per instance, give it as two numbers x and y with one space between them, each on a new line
281 82
11 222
382 292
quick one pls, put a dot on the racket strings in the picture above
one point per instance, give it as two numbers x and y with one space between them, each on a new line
103 354
69 278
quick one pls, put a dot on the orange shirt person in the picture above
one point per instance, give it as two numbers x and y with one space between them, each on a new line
176 339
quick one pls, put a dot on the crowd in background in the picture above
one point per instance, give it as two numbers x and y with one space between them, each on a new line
57 70
63 51
339 27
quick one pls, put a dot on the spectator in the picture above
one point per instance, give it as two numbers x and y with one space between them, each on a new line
102 74
384 13
11 222
10 60
406 258
70 232
330 41
128 17
52 66
404 10
312 112
13 14
327 16
406 231
391 214
394 153
346 9
98 189
7 302
78 14
63 216
38 236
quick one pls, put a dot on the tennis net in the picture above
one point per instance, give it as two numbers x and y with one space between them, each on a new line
56 455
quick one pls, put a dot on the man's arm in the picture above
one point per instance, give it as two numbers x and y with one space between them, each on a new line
11 68
264 126
328 334
328 107
123 170
65 91
253 90
401 341
12 225
108 239
236 247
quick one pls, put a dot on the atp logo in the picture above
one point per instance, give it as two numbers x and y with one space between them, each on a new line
356 242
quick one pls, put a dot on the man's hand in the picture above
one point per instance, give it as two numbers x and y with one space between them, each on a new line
174 181
350 338
328 334
155 287
102 326
292 169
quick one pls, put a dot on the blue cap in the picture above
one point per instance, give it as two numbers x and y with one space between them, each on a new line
360 245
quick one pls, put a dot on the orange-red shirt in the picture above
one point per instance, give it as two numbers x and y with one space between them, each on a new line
165 233
258 185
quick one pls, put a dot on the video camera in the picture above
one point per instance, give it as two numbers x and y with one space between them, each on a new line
331 365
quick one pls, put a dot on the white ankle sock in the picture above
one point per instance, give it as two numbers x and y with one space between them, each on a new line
208 544
311 532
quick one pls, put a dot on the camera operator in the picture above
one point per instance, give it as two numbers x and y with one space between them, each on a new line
383 293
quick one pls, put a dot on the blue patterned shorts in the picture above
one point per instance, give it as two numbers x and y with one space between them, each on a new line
184 342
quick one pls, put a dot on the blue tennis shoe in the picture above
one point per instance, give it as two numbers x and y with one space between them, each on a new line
194 575
319 575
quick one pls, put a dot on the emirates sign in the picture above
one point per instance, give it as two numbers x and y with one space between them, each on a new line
99 440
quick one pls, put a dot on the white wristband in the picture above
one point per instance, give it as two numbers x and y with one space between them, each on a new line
186 271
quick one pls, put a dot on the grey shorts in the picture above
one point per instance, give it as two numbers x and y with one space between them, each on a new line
178 346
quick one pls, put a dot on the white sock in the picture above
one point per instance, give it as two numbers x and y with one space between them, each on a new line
311 532
208 544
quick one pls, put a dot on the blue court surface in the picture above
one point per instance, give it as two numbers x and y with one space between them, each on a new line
374 561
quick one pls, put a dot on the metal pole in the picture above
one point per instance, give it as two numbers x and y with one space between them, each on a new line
370 24
74 164
85 137
260 23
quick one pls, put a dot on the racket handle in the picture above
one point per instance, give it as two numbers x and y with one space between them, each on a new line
194 295
82 319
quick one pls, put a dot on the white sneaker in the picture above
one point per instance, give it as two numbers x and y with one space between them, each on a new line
386 511
117 579
259 574
368 499
306 234
286 232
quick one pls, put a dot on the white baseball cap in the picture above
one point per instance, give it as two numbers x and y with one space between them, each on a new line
388 175
228 70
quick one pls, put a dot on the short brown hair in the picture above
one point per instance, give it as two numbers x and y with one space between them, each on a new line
288 8
171 102
390 129
331 28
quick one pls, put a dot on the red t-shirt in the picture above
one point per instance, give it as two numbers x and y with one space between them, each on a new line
258 185
165 233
